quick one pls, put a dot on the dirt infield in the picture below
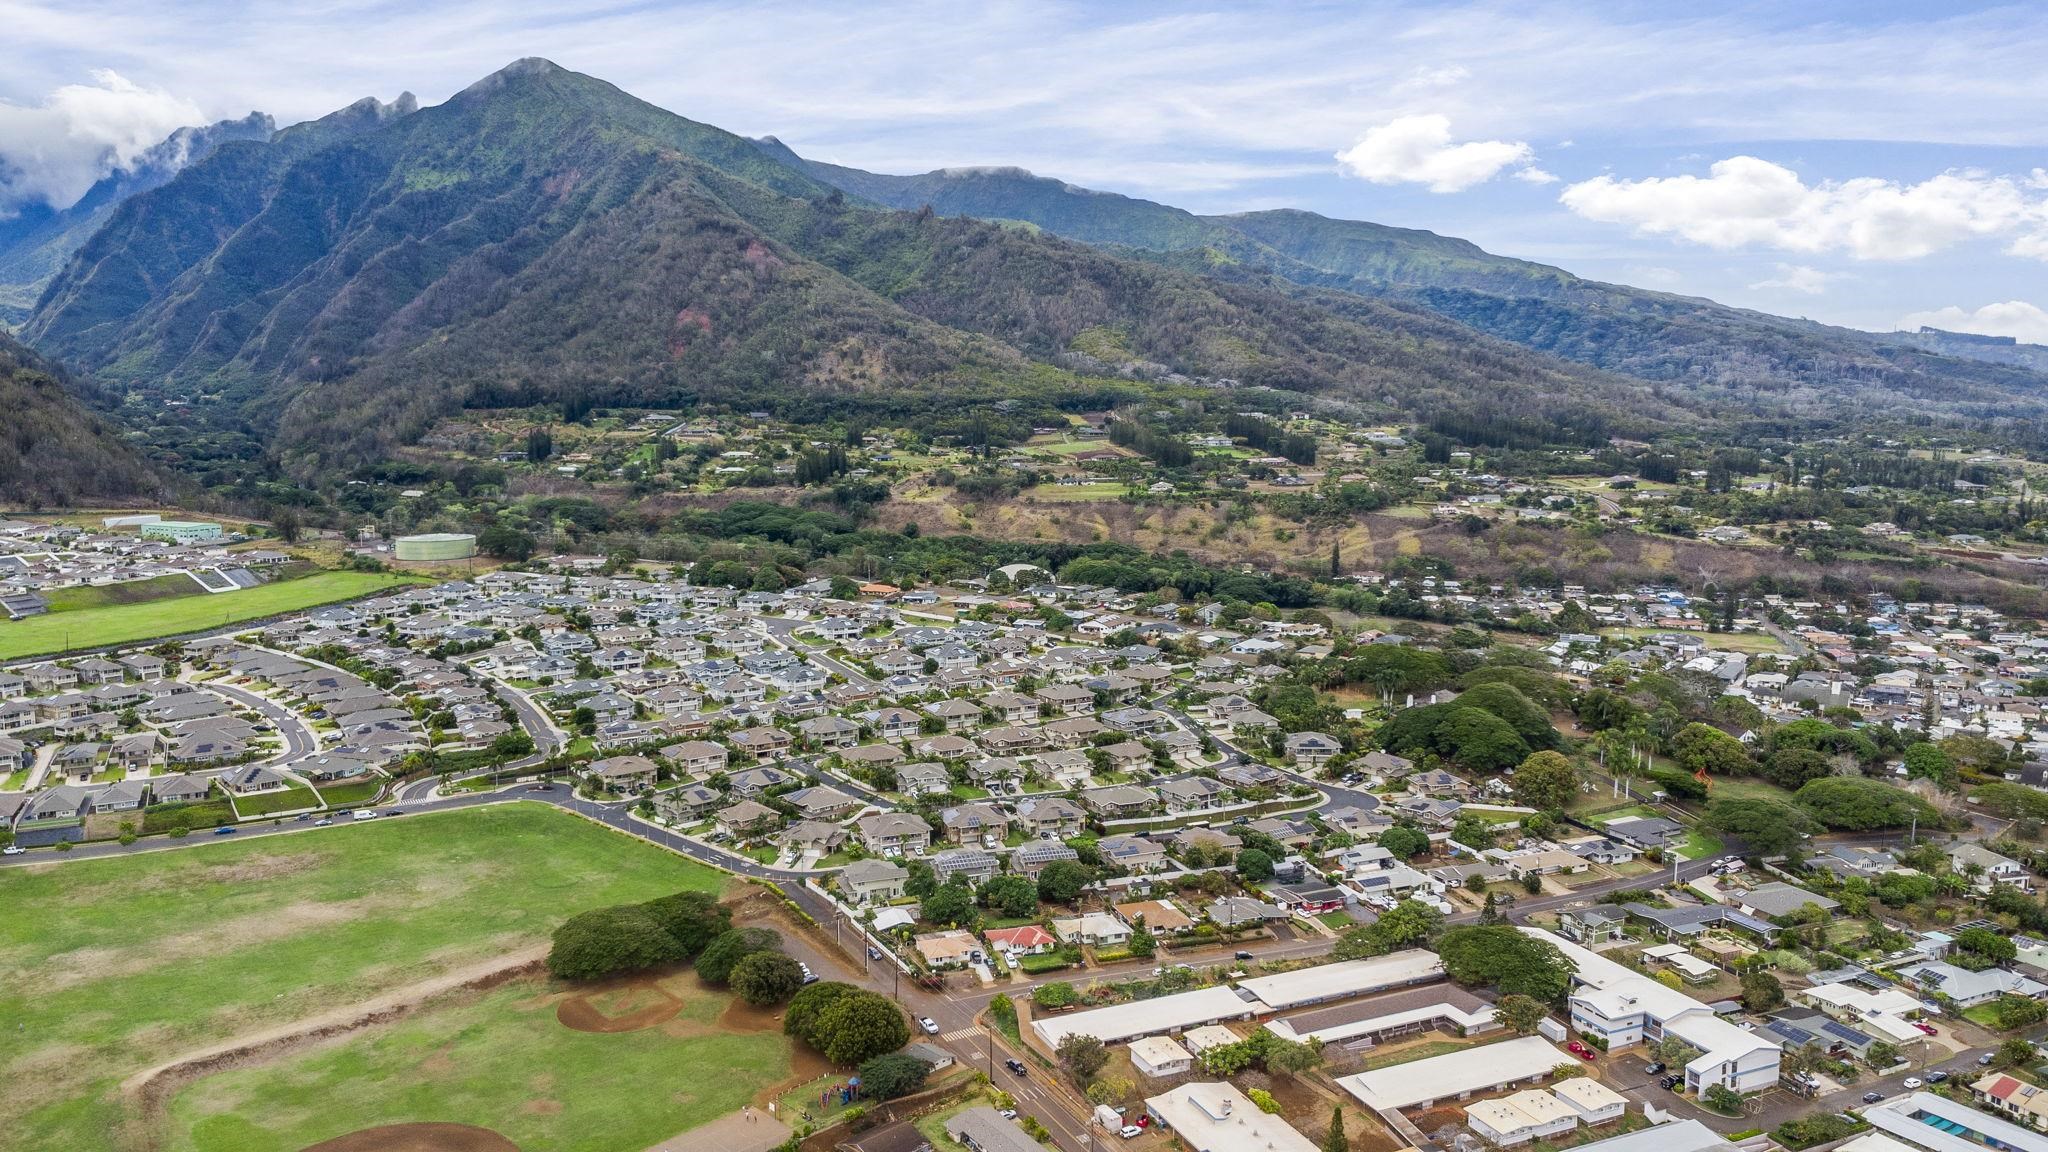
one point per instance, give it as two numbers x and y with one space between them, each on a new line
418 1138
620 1006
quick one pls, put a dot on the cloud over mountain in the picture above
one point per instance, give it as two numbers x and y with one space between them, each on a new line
51 152
1745 201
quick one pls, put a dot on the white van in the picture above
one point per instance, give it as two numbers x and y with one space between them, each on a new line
362 814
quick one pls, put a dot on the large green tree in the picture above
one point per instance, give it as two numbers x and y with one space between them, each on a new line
1506 959
609 942
860 1027
693 918
893 1075
716 962
1767 827
1545 781
1705 748
765 978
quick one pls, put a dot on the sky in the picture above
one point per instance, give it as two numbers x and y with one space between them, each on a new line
1874 164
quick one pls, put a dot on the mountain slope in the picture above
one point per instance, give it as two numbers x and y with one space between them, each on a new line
52 450
1721 355
543 236
37 242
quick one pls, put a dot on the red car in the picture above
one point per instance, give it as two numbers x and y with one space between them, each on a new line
1580 1050
1924 1026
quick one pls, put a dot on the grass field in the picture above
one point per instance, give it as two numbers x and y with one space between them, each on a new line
125 623
1075 493
291 799
116 965
1725 641
85 596
501 1061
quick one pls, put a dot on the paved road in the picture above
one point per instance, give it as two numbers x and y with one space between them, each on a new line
299 741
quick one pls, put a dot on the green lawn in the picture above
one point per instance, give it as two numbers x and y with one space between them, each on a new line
1075 493
125 623
349 792
1725 641
500 1061
291 799
1699 845
115 965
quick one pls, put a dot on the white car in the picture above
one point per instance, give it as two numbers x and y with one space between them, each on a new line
1912 1083
12 850
1130 1131
930 1026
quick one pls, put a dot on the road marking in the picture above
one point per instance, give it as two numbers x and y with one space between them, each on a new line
969 1033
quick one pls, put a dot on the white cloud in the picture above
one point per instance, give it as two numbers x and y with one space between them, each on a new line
1535 175
2015 318
1745 201
53 151
1797 278
1418 150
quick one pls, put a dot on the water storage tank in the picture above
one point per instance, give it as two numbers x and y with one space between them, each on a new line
436 546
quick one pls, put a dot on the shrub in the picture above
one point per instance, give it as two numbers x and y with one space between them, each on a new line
1264 1100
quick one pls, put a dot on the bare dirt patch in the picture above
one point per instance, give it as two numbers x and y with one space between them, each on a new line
418 1138
619 1006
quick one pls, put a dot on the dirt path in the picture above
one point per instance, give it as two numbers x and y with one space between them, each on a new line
147 1091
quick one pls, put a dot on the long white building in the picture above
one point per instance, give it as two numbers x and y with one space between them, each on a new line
1623 1007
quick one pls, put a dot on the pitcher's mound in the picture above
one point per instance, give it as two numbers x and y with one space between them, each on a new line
418 1138
627 1006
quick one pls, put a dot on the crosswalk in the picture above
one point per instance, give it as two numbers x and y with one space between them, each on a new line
971 1032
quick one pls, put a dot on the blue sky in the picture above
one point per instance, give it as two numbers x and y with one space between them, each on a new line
1868 164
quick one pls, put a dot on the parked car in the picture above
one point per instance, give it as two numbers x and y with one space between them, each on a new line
1655 1068
1911 1083
1937 1077
1924 1026
1671 1083
874 953
1984 1060
1872 1097
1580 1050
1008 1113
1129 1131
930 1026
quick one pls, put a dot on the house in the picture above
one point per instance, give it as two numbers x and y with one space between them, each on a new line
696 757
1987 867
757 782
1127 756
1514 1120
1161 917
1025 940
1036 856
179 789
955 948
923 780
1159 1056
822 802
1779 900
966 823
1095 929
1068 768
1134 854
1118 801
815 836
746 818
762 743
983 1129
873 881
1054 816
251 780
688 803
1307 899
976 865
1066 699
1592 926
626 773
1311 750
1243 912
2012 1098
1192 794
830 732
1967 989
956 714
1216 1117
1645 832
892 833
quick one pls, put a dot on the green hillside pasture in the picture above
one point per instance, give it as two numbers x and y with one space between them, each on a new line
116 965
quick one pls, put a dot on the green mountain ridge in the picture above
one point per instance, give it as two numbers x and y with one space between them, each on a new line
1722 355
37 241
53 450
543 236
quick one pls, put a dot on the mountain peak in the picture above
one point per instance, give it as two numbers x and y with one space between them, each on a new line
523 69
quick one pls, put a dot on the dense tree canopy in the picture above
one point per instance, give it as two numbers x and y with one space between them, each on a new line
1504 958
716 962
1859 804
609 942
